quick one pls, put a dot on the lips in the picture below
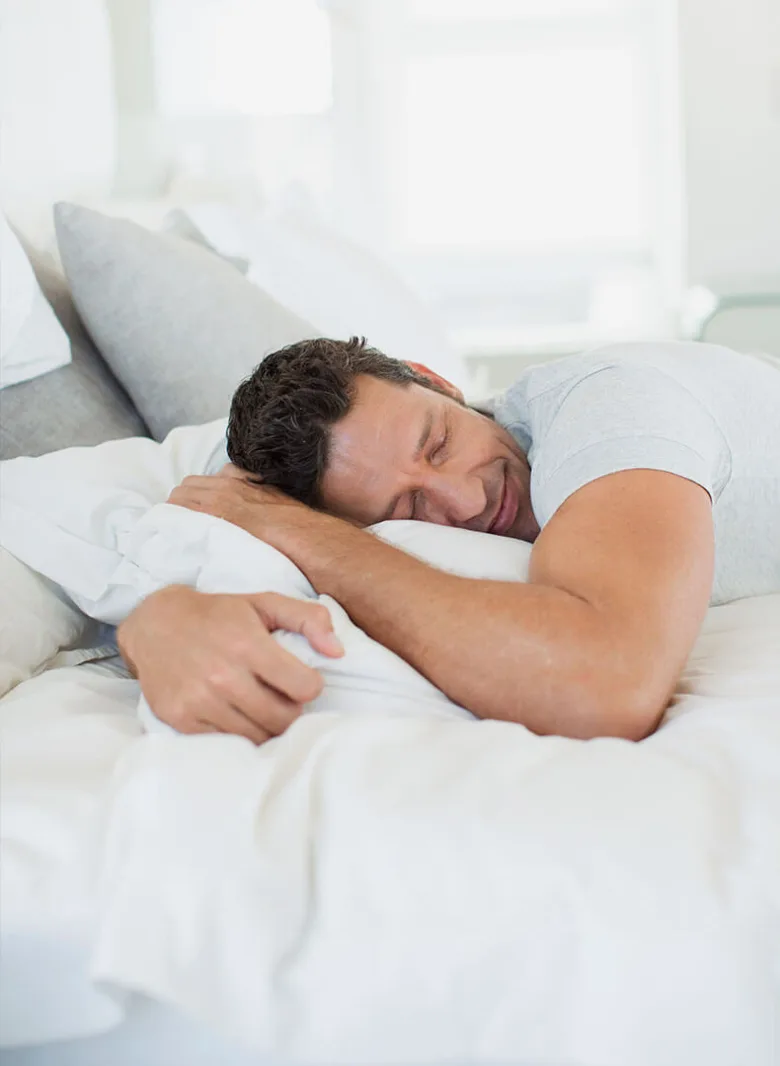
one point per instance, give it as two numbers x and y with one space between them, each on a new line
507 510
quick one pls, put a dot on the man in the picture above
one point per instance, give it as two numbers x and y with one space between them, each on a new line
647 477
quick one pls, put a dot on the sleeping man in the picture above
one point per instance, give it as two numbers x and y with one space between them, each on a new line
647 477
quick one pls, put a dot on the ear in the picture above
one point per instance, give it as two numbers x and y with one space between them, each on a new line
437 380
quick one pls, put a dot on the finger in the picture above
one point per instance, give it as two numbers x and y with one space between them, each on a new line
198 481
187 497
230 470
228 720
259 677
200 726
284 672
232 720
191 726
211 503
264 706
311 620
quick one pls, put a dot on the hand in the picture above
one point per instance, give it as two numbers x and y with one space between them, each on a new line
300 532
208 663
232 496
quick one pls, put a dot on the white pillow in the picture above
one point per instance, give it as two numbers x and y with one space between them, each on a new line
325 279
460 551
172 544
36 621
32 341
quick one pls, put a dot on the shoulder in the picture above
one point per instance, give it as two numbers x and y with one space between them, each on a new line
541 378
528 407
661 377
613 410
559 376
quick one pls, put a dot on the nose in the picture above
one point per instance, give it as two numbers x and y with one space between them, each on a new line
454 500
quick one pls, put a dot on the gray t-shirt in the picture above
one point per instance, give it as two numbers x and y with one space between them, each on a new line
698 410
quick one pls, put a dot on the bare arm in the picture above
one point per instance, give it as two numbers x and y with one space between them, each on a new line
593 645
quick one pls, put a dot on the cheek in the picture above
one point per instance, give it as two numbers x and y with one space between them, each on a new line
479 445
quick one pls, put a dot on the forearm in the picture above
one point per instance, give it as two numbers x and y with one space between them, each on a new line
525 653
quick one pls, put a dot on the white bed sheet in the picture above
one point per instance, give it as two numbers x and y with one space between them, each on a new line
645 924
61 736
151 1034
155 1035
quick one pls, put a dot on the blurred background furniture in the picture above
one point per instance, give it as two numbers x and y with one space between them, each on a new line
544 176
745 321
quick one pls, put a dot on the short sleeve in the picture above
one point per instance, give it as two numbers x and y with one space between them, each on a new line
622 417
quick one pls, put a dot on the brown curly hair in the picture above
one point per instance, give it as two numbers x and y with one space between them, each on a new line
282 414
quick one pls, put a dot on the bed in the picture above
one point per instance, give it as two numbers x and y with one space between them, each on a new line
400 886
389 881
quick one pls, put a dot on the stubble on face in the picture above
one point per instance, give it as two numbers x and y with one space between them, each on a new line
407 451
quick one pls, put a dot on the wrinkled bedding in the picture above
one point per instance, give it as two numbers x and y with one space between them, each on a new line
394 881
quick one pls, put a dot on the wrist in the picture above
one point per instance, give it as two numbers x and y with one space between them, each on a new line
314 541
124 641
138 623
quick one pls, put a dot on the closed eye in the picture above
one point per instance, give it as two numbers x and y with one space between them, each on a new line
440 449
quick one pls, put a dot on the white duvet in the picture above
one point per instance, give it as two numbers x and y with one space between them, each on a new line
394 881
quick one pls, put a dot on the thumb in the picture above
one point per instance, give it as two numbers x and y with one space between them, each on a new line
311 620
229 470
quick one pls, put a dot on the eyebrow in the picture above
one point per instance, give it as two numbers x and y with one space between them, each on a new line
426 432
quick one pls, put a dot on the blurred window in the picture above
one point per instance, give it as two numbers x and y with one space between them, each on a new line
515 157
250 57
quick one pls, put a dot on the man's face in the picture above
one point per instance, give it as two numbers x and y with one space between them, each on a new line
404 451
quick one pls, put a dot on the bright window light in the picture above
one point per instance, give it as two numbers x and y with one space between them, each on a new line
517 158
252 57
522 151
446 10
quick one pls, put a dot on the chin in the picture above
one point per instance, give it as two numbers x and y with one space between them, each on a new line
525 527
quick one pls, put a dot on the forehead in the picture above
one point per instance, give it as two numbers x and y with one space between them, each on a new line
373 446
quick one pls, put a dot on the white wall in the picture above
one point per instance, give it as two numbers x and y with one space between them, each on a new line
730 57
240 156
730 60
56 106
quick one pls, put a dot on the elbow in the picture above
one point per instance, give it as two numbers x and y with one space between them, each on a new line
628 714
605 707
634 727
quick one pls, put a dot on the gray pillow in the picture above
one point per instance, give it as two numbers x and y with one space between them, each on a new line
179 326
79 404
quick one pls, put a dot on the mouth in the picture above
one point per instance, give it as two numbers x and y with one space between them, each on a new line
507 509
